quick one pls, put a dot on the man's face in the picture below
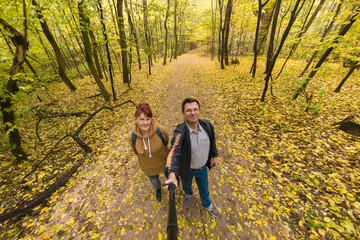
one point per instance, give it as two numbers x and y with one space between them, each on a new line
191 112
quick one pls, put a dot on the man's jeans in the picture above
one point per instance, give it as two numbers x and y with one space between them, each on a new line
155 181
201 177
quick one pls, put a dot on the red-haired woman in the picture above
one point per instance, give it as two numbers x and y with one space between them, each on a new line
149 140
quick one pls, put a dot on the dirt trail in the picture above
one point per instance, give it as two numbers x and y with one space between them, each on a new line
112 199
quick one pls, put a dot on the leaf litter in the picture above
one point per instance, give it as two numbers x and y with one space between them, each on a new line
284 173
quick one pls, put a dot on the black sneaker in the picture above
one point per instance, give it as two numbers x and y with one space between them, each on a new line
158 195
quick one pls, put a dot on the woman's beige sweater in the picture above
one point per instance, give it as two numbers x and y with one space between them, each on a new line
151 151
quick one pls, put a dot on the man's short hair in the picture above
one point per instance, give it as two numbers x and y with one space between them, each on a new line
189 100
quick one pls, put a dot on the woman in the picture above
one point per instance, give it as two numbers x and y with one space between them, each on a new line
149 142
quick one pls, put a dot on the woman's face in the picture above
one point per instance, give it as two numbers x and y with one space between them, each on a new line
143 122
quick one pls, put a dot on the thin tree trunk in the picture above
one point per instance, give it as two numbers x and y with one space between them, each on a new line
111 72
147 35
255 48
124 54
133 32
213 29
175 31
59 56
51 59
342 32
302 32
226 31
220 32
166 31
272 60
88 51
327 30
95 53
69 50
355 66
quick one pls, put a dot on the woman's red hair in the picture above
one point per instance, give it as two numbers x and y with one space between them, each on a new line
143 108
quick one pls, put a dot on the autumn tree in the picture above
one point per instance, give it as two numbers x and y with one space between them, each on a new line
123 44
88 50
271 57
166 31
52 41
344 29
10 88
225 35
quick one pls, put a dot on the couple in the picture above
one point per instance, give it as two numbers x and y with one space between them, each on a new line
192 151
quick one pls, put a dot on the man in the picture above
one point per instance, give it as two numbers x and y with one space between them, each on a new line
193 150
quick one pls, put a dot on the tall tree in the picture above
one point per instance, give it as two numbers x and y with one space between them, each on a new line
354 66
213 30
54 45
111 71
166 31
327 30
133 32
11 88
88 50
176 45
256 46
147 35
303 30
220 28
225 35
342 32
271 59
123 44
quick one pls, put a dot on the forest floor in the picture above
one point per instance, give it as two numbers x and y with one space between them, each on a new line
283 173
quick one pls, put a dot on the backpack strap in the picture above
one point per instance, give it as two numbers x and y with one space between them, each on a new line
158 132
133 136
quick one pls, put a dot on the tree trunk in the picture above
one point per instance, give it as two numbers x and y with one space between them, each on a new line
69 49
342 32
271 62
226 31
133 32
175 31
96 50
327 30
111 71
220 32
11 88
213 30
356 65
88 51
302 32
270 53
147 35
265 20
166 31
255 46
51 39
123 44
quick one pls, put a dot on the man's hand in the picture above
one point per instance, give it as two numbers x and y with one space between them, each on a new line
171 179
214 162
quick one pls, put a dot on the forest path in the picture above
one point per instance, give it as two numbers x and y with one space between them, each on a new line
111 198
